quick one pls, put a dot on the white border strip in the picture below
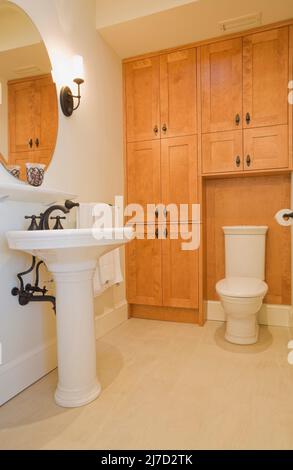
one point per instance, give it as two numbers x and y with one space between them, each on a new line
271 315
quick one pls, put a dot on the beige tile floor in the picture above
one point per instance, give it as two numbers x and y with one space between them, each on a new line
167 386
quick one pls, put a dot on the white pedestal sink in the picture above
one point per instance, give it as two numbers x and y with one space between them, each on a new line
71 256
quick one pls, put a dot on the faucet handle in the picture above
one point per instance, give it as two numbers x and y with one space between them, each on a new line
34 225
58 225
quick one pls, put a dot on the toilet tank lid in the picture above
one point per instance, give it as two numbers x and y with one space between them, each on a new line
246 230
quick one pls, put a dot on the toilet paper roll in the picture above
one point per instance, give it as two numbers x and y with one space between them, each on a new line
283 221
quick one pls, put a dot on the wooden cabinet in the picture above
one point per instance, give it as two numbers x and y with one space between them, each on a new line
47 110
243 124
144 173
142 99
266 148
160 272
262 142
221 82
180 267
179 172
178 93
265 78
160 96
33 120
222 152
21 116
144 270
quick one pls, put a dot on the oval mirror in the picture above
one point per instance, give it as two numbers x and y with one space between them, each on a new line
28 97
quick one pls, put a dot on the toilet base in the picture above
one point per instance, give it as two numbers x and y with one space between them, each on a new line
242 329
242 340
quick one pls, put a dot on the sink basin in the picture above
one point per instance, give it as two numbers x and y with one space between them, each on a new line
71 256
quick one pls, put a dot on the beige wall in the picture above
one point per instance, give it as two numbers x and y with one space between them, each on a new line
88 162
117 11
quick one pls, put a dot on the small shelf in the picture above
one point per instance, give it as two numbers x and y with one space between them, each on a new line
23 192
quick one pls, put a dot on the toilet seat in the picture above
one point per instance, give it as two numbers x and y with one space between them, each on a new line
242 287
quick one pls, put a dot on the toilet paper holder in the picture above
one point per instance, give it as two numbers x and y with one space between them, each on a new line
288 216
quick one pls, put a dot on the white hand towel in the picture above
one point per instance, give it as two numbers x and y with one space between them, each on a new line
108 272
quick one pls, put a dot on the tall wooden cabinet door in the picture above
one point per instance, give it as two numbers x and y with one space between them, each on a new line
46 111
144 173
142 95
180 268
265 78
222 152
179 171
221 82
144 271
178 93
266 148
21 112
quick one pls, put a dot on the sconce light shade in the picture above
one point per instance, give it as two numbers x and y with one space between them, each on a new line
66 96
78 68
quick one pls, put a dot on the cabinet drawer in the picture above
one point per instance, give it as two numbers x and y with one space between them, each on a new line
222 152
266 148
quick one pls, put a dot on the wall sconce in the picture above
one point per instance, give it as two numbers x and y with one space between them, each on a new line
66 96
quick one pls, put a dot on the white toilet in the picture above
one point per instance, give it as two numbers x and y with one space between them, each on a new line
243 290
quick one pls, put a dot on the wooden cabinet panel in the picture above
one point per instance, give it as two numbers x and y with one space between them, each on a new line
144 173
265 77
222 152
221 82
142 90
180 270
33 121
178 93
179 171
47 110
144 271
21 115
266 148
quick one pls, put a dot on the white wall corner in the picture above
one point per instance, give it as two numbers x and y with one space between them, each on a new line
271 315
111 318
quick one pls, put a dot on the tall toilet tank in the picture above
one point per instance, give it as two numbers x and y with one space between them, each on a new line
245 250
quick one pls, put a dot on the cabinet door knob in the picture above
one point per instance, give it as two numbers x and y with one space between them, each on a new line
164 128
156 130
238 161
37 142
248 160
31 143
157 233
248 118
237 119
166 233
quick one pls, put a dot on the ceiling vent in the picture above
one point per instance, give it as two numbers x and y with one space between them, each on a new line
241 23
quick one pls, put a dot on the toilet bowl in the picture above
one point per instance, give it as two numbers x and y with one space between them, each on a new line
242 299
243 290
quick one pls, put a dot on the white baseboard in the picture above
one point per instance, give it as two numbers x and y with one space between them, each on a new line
111 319
271 315
19 374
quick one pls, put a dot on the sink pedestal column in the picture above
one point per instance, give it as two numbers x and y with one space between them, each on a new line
76 339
